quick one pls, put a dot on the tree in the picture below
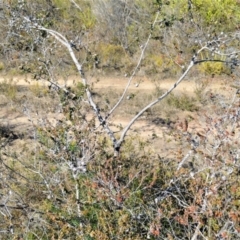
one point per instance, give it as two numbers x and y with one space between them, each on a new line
148 197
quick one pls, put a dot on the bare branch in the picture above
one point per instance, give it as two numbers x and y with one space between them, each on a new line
126 129
144 46
77 6
65 42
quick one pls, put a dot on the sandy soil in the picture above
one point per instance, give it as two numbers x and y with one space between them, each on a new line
158 134
138 83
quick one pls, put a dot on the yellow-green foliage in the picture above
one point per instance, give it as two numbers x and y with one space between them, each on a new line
200 90
155 60
182 102
1 66
153 64
213 68
87 18
37 90
175 7
62 4
219 12
80 17
9 89
79 89
111 54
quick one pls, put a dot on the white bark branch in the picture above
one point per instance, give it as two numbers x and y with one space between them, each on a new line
65 42
76 5
103 121
136 68
126 129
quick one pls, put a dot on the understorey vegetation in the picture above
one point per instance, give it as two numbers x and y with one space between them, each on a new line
72 167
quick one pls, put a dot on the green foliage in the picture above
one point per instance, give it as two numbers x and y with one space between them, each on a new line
200 90
137 195
44 138
76 17
62 4
183 102
153 63
9 89
119 47
38 91
156 60
1 66
79 89
214 68
87 18
174 10
223 14
73 147
112 55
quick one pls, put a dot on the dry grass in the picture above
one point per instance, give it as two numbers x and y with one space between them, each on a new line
37 167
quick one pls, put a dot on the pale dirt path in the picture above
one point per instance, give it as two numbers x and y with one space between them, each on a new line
142 127
186 86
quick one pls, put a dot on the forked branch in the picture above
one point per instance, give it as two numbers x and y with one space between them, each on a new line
117 143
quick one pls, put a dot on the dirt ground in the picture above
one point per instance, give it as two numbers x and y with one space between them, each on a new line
154 130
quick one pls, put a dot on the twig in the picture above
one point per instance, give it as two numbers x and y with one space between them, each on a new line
136 68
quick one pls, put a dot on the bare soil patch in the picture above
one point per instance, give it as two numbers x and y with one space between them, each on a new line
157 129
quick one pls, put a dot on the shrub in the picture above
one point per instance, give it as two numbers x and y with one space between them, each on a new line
112 56
37 90
79 89
200 90
183 102
87 19
9 89
214 11
214 68
153 64
2 66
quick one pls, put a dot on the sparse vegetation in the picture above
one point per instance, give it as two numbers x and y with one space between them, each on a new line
214 69
200 90
81 161
9 89
37 90
183 102
1 66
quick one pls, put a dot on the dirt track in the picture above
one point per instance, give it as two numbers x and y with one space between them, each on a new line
138 83
143 127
